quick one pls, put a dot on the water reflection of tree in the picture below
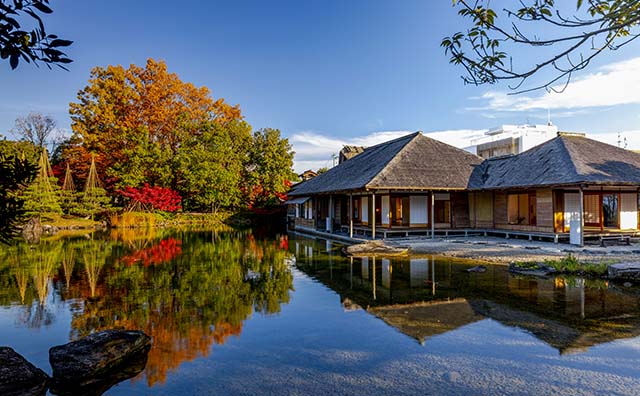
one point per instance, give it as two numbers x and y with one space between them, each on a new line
42 270
94 257
22 280
68 264
198 292
196 299
37 265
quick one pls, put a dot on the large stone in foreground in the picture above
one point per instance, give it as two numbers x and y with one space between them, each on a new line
624 271
98 356
19 377
104 382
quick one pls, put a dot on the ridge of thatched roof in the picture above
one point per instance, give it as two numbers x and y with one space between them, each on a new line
427 163
564 160
355 173
410 162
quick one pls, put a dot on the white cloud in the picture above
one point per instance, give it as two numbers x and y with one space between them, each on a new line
628 139
457 137
615 84
314 150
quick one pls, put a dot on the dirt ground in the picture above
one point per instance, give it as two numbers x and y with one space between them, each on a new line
500 250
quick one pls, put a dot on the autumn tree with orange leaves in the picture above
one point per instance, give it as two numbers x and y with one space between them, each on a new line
135 119
146 126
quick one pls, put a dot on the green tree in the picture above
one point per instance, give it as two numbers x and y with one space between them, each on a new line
43 195
28 150
213 166
36 45
134 120
15 173
148 161
564 40
68 195
270 167
94 198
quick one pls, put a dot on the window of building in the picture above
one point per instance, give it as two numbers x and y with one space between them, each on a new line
303 210
592 209
521 209
610 210
442 211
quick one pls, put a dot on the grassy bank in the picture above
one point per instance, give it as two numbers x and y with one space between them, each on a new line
142 220
145 219
68 223
569 265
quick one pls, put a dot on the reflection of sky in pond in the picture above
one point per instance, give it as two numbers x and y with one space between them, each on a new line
316 344
326 350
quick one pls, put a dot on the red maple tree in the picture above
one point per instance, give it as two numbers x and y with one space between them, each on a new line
152 198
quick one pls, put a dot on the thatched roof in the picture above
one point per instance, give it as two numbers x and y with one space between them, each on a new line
564 160
411 162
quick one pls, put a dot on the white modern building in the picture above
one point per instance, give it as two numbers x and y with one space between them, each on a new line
511 139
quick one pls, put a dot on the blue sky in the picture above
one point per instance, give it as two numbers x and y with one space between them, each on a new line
324 73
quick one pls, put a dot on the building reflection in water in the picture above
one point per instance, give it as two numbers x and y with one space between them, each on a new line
424 296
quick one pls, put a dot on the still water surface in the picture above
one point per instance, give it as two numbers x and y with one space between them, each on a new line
239 313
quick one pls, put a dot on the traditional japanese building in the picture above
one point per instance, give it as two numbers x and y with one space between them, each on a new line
415 184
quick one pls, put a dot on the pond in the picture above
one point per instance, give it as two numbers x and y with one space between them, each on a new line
243 313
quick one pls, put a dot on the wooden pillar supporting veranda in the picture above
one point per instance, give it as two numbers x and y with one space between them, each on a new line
373 216
582 216
433 211
350 215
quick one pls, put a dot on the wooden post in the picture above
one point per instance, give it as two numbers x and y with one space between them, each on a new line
373 216
582 217
330 214
433 211
350 215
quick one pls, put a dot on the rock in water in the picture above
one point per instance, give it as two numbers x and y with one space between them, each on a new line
92 359
539 270
32 231
133 367
477 268
624 271
373 248
18 377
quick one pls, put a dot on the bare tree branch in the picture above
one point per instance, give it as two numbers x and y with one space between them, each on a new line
35 128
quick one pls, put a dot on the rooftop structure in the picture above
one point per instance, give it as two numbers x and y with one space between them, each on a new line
511 139
349 152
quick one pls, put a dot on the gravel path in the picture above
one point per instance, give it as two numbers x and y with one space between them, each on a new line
500 250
